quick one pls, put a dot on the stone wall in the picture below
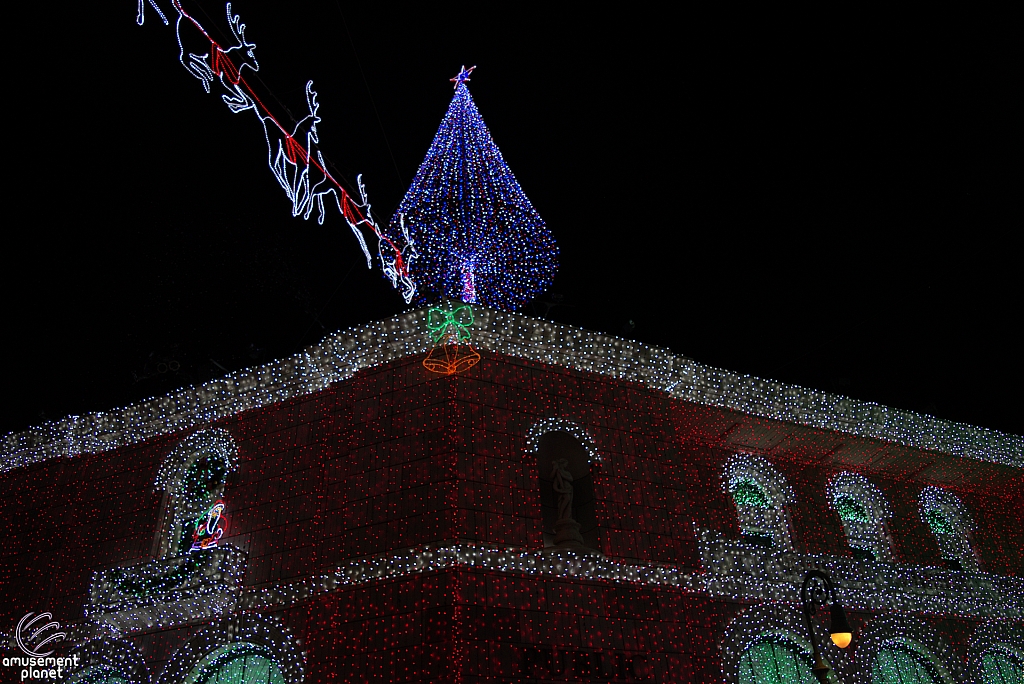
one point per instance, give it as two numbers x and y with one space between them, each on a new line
396 461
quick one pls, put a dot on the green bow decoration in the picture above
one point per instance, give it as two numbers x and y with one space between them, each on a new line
458 320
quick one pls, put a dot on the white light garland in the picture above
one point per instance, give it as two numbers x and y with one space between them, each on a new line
217 441
780 618
742 572
167 591
111 656
560 563
733 570
343 354
752 467
562 425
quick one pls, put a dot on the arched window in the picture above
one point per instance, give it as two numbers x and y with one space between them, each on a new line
1002 664
775 660
761 496
237 663
901 662
951 524
564 453
240 649
864 511
192 477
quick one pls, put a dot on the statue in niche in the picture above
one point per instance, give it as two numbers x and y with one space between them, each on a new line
567 530
563 487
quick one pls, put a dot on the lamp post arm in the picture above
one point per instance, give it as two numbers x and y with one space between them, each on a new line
811 604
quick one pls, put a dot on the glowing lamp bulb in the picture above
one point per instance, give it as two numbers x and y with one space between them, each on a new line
842 639
840 630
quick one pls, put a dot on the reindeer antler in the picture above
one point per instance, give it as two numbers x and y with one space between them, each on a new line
238 30
313 117
311 100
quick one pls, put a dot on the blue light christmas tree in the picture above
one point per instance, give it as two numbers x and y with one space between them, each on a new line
479 239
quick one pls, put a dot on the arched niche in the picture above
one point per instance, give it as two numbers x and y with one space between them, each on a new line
559 440
901 646
239 662
220 645
761 496
864 512
996 654
952 525
192 478
776 631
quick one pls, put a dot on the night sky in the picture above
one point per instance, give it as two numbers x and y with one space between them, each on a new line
836 206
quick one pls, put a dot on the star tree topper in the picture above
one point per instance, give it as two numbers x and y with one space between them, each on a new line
462 76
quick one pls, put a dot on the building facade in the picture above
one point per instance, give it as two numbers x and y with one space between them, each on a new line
572 508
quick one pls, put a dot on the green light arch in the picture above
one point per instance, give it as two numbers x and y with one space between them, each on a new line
774 660
903 662
1002 665
236 663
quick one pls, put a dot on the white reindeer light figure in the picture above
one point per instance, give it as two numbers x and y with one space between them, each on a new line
299 167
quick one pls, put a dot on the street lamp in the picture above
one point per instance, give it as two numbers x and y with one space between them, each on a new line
814 597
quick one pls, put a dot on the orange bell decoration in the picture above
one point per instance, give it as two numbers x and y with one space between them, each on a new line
452 352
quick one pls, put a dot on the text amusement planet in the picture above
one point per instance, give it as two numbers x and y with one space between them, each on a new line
33 634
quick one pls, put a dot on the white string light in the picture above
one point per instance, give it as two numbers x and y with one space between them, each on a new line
343 354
